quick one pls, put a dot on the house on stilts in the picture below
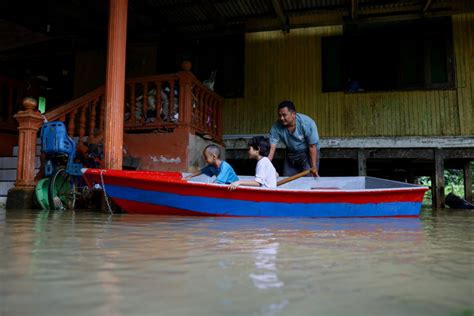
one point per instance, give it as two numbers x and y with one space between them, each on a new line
390 84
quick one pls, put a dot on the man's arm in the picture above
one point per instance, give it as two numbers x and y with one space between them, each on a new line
313 155
272 151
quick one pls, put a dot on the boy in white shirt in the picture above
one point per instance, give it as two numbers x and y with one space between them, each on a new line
265 173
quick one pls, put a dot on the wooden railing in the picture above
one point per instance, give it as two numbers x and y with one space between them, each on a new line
166 101
156 102
84 116
11 96
193 106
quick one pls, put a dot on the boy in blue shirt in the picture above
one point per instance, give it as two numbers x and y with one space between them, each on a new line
224 173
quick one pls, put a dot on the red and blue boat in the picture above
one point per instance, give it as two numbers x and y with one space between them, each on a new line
168 193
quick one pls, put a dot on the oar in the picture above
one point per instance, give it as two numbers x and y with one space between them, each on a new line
296 176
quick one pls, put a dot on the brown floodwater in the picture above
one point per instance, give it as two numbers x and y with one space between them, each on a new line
82 263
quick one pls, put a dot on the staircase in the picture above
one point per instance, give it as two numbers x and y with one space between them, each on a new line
8 172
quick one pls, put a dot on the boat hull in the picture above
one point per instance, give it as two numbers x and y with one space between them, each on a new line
167 194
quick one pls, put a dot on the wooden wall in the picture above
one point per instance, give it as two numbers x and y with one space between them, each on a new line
463 29
282 66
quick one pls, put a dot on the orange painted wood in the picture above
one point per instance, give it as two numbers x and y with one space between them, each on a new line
115 84
68 107
82 126
93 114
171 101
29 122
145 101
102 115
71 127
158 100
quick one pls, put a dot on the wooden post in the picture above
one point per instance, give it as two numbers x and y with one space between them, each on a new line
438 197
361 162
185 96
467 181
115 84
29 121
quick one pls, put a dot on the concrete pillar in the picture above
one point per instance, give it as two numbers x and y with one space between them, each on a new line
29 122
115 84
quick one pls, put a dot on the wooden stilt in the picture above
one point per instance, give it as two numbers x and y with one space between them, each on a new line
438 197
468 181
362 162
433 190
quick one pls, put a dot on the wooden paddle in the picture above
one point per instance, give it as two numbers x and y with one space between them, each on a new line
296 176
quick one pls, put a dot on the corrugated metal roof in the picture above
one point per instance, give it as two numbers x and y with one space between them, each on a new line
244 8
197 15
191 14
292 5
153 16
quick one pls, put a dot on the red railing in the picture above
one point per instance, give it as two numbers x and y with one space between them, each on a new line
192 106
168 101
161 102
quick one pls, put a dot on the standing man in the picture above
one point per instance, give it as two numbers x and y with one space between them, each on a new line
300 135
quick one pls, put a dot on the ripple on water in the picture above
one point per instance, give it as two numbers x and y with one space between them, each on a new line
97 264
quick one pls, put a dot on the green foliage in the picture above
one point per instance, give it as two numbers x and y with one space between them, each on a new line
454 183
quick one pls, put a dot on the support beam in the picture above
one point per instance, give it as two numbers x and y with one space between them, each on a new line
468 181
354 9
115 84
438 197
278 8
427 6
362 162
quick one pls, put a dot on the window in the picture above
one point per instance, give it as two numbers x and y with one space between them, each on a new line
391 56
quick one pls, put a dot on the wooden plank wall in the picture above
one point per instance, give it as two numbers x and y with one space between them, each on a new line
282 66
463 29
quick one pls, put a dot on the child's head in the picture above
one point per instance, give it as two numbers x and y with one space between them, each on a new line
258 146
212 154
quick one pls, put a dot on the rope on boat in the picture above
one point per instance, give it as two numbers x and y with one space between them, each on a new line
105 193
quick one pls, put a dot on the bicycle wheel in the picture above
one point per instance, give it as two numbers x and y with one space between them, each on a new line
62 190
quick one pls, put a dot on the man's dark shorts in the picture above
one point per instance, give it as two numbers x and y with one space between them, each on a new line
297 161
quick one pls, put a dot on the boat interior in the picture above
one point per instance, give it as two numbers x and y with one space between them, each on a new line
323 183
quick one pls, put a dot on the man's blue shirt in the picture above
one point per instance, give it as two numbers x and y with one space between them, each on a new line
225 174
305 134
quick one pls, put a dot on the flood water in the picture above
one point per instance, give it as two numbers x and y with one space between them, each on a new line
79 263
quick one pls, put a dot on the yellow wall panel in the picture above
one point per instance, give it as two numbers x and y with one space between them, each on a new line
281 66
463 29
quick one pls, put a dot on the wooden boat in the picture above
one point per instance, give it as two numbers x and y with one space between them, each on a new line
167 193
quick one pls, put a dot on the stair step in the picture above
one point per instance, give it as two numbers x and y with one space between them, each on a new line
11 162
10 174
5 186
3 201
38 150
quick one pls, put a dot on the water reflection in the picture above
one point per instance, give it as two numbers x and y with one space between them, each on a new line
266 250
97 264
